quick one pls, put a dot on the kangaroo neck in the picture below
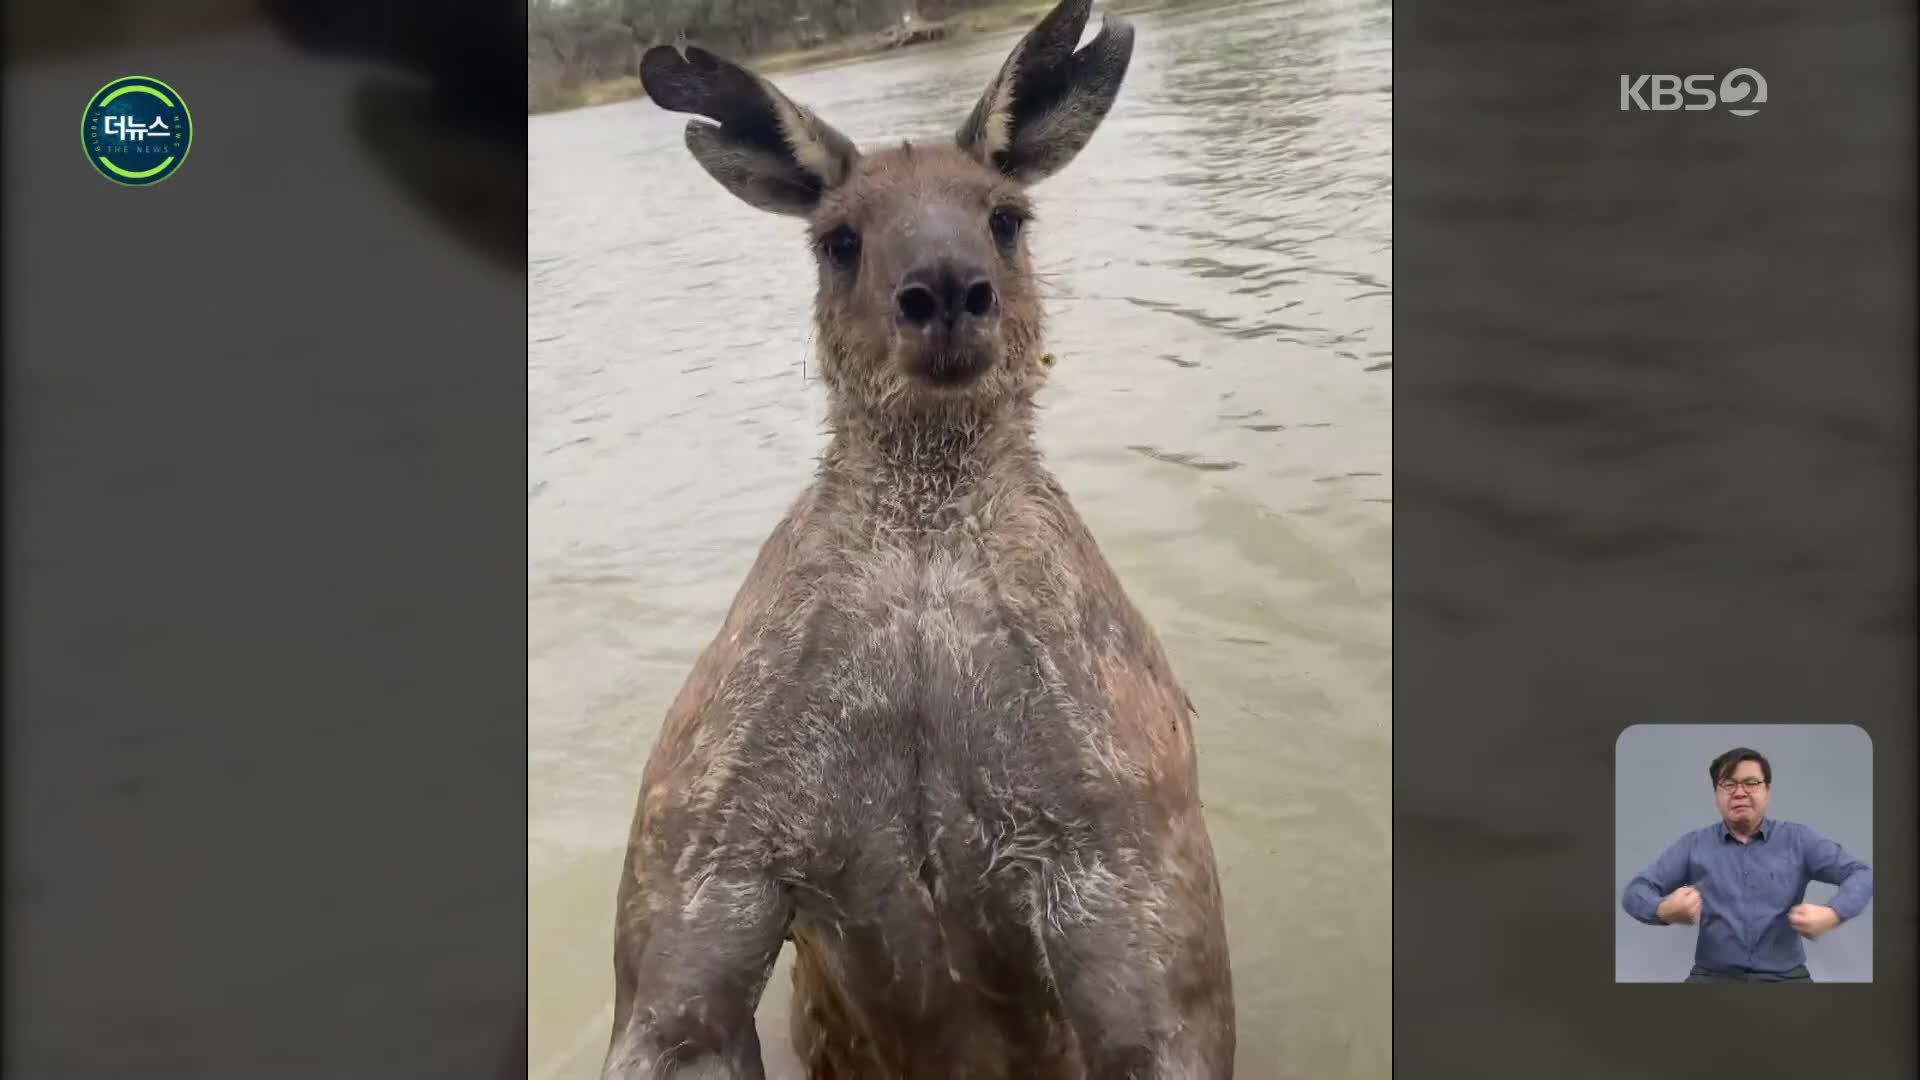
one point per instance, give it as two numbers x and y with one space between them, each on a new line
933 471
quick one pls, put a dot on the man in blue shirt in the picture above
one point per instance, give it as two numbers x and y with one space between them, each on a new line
1744 881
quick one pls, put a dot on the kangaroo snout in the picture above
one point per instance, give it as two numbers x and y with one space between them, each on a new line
947 314
945 293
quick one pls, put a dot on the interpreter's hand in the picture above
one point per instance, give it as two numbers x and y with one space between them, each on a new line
1680 906
1812 920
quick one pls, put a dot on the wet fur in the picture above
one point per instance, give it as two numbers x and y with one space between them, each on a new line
933 744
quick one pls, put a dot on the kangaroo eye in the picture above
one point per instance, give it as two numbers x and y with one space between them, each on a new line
842 247
1005 223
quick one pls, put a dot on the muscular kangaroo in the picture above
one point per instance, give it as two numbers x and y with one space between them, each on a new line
934 745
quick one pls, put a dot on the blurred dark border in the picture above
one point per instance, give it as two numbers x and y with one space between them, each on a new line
265 534
1654 444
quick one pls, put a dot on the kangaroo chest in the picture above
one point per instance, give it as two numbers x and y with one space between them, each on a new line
926 704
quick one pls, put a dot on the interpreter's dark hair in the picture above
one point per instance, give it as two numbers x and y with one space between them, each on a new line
1724 765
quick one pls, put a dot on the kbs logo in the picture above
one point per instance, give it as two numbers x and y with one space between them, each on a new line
1740 90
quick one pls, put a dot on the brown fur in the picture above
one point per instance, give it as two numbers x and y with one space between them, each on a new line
933 743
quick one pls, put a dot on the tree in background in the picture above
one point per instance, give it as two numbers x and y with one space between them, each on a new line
570 42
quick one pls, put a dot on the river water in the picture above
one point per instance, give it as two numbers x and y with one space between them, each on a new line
1220 266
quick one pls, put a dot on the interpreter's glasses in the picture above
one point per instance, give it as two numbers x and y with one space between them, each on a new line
1730 786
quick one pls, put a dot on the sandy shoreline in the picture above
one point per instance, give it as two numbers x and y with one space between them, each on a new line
957 28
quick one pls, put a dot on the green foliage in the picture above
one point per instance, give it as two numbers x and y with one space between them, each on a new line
574 43
736 25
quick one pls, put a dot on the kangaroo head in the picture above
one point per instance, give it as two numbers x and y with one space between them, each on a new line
926 298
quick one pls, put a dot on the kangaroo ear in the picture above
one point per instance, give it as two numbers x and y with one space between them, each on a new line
772 153
1048 99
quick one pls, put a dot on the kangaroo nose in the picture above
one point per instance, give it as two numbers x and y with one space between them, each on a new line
944 293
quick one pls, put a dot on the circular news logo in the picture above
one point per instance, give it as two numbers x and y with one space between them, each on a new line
136 131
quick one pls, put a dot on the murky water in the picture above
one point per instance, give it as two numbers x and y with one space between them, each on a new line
1220 303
